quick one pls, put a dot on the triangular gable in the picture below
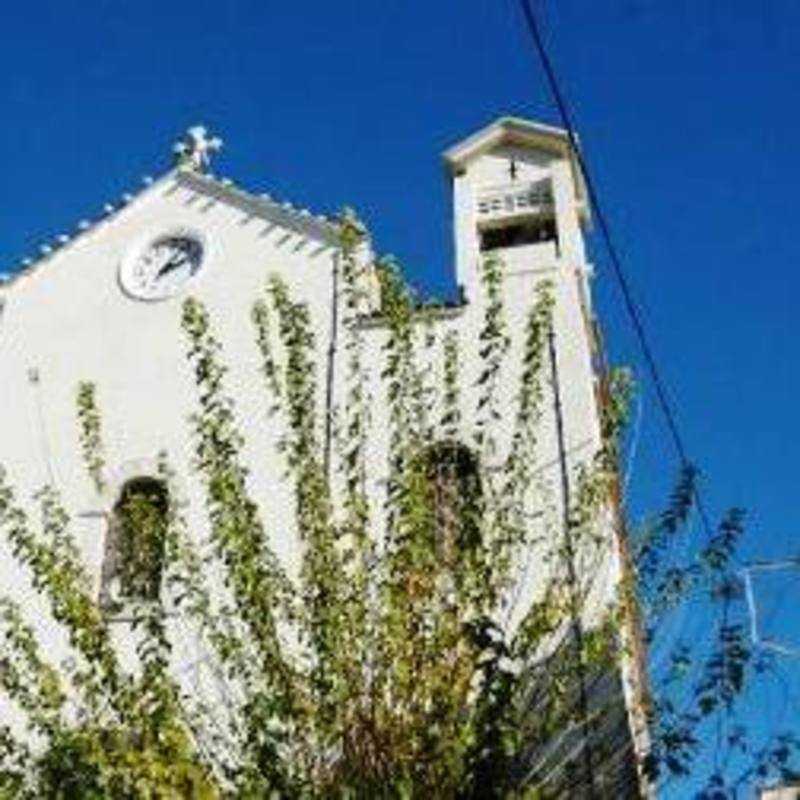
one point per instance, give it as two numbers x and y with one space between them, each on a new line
298 220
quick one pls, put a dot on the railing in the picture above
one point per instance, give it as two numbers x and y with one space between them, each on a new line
513 199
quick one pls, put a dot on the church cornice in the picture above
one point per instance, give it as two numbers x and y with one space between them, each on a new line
301 220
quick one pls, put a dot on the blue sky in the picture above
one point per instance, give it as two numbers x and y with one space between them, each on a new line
688 111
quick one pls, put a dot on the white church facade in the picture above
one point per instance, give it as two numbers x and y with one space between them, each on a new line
104 305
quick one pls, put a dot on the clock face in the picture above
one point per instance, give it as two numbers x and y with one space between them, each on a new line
163 266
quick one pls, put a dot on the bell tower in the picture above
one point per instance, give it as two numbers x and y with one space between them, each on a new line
518 195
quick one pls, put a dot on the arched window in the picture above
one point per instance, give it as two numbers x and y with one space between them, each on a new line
134 549
456 495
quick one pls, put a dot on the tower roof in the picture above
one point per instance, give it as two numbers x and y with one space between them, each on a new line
514 131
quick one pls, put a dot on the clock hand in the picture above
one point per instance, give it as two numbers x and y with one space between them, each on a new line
171 265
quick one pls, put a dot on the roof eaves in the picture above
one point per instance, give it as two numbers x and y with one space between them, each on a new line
503 129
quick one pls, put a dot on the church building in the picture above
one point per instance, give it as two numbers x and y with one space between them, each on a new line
103 304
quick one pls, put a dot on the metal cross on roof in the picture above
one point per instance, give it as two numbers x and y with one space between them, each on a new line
195 149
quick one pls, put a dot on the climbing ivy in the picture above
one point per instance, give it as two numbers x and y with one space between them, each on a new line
90 433
439 636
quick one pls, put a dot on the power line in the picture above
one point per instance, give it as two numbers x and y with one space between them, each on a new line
613 253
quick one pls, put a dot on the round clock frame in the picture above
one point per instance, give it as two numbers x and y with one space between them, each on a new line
161 264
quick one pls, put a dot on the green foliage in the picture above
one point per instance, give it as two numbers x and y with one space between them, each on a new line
141 515
90 433
388 665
